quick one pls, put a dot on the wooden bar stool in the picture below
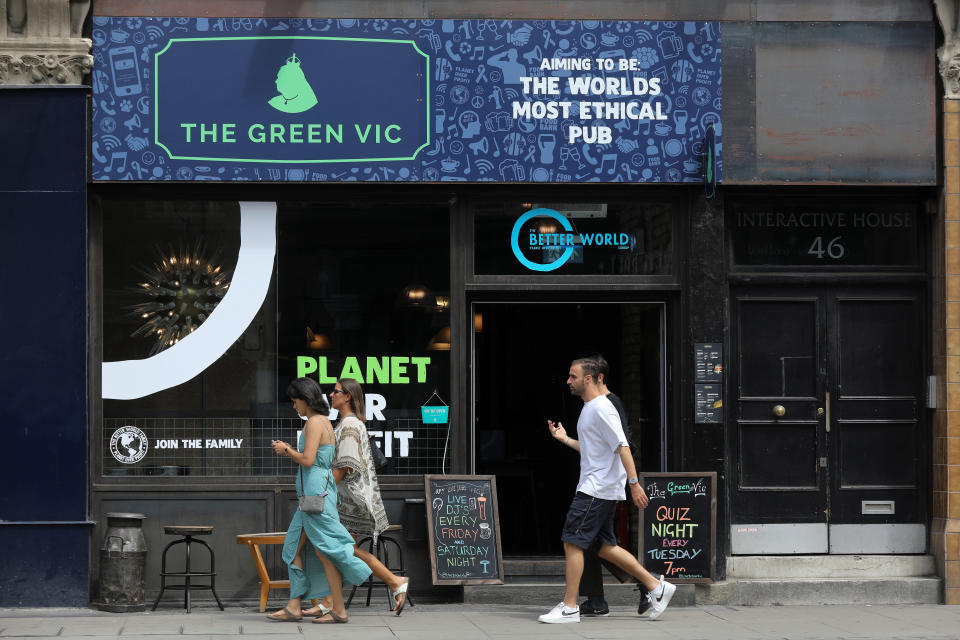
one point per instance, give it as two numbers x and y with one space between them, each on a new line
383 554
188 532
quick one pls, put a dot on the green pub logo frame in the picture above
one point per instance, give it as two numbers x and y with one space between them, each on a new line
170 43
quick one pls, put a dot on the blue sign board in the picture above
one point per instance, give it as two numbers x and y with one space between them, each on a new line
403 100
302 121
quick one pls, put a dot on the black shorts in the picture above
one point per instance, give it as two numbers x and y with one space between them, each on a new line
589 519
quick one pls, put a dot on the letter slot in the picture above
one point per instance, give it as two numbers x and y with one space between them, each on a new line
877 507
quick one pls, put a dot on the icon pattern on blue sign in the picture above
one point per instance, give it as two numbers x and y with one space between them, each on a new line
475 69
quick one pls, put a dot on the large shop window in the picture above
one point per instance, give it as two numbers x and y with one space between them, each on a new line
576 238
321 290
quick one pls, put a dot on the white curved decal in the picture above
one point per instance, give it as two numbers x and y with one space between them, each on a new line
129 379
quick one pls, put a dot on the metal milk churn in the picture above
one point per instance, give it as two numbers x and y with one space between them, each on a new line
123 558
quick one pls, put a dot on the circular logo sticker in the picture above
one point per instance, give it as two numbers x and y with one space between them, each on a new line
515 239
128 445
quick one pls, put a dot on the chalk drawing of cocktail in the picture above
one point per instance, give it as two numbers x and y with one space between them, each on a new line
484 563
483 507
485 532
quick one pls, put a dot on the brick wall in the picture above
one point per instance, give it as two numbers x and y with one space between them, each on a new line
945 526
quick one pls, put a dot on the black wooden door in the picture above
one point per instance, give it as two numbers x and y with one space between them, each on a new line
779 438
875 371
829 409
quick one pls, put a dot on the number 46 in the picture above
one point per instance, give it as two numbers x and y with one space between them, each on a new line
834 249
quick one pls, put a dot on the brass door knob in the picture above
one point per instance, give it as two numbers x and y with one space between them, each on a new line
779 411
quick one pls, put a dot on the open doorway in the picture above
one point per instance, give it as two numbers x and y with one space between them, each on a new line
521 356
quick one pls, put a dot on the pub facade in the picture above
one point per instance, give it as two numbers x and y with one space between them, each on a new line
748 209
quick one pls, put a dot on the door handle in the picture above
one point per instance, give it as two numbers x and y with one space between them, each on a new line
827 420
779 411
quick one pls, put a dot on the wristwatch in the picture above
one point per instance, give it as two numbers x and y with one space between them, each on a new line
633 481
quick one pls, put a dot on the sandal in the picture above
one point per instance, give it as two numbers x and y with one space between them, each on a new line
334 619
320 611
400 597
284 615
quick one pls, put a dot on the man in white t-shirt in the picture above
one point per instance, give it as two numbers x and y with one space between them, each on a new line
605 465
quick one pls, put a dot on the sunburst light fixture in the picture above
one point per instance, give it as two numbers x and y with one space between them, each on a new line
182 289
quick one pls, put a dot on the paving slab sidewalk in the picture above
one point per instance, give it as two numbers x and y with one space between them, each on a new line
498 622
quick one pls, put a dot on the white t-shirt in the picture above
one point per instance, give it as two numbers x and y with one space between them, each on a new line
600 435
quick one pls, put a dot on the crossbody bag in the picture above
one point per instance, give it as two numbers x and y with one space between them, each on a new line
312 504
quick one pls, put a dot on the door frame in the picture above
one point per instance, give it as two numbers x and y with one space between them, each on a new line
830 536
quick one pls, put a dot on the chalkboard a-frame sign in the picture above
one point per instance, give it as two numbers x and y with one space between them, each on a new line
464 529
678 529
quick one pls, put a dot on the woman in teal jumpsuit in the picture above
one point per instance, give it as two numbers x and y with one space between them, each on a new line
321 573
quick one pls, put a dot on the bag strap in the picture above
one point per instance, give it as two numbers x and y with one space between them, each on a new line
326 484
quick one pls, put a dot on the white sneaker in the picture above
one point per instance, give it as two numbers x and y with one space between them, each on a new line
659 604
561 614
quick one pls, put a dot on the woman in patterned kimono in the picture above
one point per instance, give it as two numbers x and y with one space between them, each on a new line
318 550
361 507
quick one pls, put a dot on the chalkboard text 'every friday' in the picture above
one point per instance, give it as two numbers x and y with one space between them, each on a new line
459 524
